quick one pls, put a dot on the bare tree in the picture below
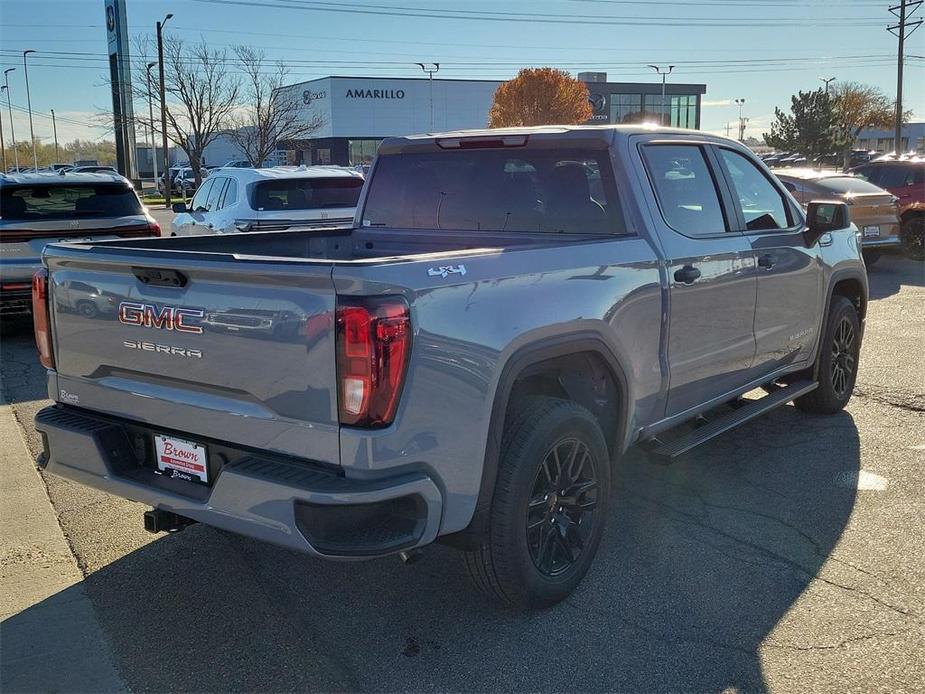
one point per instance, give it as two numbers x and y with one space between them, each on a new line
269 113
859 106
202 93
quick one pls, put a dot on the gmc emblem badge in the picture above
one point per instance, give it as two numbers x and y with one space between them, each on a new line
163 318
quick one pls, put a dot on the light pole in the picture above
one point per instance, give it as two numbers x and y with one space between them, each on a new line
827 81
35 159
2 145
54 127
151 125
6 77
741 103
664 76
160 62
430 74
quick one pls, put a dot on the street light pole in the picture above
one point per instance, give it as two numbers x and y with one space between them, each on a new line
741 103
664 76
160 62
2 145
6 76
430 74
35 159
54 127
151 125
827 80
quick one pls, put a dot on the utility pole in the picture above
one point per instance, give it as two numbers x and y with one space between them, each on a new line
2 146
6 77
35 159
160 62
151 126
741 103
664 75
54 127
902 30
430 75
827 80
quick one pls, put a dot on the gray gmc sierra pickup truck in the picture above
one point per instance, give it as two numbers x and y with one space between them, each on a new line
511 311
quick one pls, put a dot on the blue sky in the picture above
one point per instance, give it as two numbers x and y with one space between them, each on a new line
760 50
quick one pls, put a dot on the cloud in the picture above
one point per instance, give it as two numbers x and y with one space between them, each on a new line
707 103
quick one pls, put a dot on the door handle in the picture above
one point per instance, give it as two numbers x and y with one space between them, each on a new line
687 274
766 261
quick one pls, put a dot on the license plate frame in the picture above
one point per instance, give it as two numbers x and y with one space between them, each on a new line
181 459
872 231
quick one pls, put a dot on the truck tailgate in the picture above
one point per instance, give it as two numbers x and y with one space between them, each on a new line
242 352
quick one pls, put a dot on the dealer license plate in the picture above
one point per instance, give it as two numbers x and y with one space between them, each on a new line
181 459
873 230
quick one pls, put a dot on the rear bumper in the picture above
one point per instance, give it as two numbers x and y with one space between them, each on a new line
880 243
297 506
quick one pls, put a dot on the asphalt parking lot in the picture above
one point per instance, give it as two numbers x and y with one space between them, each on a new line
786 556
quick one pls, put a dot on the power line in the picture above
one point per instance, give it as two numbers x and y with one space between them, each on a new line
541 18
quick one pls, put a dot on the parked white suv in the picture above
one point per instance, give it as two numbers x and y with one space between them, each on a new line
275 199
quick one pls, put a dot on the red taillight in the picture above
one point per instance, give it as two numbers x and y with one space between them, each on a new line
154 228
373 345
40 318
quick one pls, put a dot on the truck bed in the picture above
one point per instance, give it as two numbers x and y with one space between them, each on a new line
343 245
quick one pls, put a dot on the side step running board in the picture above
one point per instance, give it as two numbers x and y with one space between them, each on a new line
755 408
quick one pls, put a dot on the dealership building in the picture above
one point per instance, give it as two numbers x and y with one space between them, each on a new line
358 112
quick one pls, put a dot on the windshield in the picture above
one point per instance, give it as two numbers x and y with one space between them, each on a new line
495 190
307 193
848 184
40 202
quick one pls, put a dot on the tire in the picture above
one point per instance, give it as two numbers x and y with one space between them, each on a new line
837 363
523 561
912 237
871 257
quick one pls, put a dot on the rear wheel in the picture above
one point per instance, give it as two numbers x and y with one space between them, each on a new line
912 237
837 362
549 505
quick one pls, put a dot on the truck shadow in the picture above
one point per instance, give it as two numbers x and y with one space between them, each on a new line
700 562
891 273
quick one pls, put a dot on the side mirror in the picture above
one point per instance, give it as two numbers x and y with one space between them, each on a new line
179 207
823 216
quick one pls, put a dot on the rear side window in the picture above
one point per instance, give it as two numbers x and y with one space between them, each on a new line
899 176
495 190
215 194
685 188
762 205
41 202
307 193
231 194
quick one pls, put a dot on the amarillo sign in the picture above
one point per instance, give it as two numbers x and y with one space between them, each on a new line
375 93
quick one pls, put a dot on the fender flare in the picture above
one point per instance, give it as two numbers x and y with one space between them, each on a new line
524 357
848 273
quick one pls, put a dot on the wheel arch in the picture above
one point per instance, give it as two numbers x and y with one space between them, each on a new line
535 362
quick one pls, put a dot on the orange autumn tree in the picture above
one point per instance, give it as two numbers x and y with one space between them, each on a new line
540 96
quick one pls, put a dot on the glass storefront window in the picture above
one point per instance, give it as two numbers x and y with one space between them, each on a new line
684 111
625 108
362 152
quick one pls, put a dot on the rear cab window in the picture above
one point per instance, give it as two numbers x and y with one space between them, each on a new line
685 188
41 202
524 190
315 193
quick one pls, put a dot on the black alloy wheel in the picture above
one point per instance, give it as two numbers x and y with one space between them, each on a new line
844 359
560 513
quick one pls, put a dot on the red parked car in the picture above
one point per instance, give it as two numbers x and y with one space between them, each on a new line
906 180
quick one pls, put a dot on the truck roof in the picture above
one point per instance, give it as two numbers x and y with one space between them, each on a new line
600 135
59 178
284 172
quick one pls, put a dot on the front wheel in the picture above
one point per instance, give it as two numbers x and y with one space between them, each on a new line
549 506
837 363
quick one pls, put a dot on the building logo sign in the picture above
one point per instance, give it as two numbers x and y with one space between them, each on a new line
110 19
375 93
599 107
308 96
